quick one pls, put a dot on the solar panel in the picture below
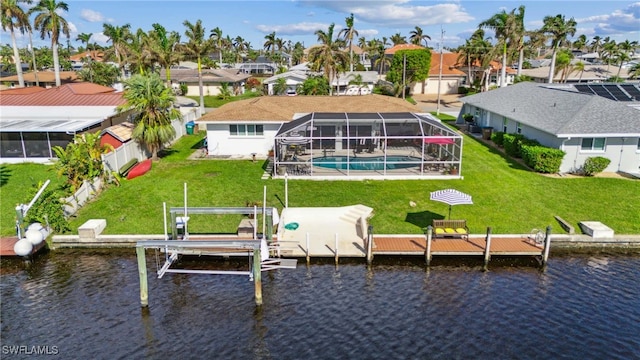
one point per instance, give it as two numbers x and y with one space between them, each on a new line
617 93
584 89
632 90
601 91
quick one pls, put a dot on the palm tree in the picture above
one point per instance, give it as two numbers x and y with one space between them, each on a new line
84 38
504 25
49 22
151 104
328 55
139 53
197 47
271 42
118 35
579 66
624 53
280 87
580 43
416 36
634 72
398 39
218 41
13 17
595 43
163 48
348 34
518 34
559 29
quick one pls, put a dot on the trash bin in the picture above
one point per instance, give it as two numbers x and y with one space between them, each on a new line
486 133
190 126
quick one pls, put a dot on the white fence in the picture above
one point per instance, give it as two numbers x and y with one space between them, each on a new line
86 192
114 160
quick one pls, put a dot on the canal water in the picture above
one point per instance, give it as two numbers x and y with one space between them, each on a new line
86 305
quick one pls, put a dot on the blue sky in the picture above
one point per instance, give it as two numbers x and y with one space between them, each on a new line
297 20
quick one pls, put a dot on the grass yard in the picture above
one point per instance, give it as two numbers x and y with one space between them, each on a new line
211 101
506 196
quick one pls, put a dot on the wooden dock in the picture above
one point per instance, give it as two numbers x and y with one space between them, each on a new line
475 245
7 243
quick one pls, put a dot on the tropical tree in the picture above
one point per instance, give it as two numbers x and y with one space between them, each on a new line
596 42
139 54
119 37
196 48
412 65
559 29
517 35
218 41
634 71
580 43
398 39
101 73
280 86
625 52
416 36
328 56
163 48
314 85
49 22
14 18
578 66
84 38
270 43
152 106
348 33
81 160
563 64
505 25
297 53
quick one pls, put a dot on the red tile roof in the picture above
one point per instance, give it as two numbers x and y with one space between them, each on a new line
76 94
449 64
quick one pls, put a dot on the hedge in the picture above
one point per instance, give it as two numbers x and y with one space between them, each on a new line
542 159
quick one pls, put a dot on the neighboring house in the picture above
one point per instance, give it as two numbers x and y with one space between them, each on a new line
591 73
445 80
33 120
345 83
212 80
261 66
45 79
293 79
560 117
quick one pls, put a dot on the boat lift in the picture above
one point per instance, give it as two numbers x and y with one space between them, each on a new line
256 249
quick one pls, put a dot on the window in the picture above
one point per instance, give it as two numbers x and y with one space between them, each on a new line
593 144
518 128
504 124
638 147
246 130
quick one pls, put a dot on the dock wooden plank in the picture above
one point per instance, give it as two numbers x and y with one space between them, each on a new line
390 245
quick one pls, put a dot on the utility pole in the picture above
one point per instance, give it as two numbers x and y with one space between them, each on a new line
440 70
404 75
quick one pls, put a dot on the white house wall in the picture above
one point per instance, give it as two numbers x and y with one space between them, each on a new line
207 90
221 143
448 86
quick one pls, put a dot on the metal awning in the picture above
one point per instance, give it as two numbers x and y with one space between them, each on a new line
66 126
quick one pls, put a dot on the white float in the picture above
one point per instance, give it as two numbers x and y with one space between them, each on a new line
23 247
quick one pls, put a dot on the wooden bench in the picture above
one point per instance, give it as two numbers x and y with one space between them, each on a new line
450 229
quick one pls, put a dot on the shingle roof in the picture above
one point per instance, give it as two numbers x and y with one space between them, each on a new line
559 112
283 108
208 75
75 94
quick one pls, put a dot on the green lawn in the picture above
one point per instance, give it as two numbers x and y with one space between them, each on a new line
506 196
215 102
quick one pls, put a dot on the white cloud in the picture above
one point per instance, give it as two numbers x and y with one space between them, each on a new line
72 28
619 22
100 38
91 16
303 28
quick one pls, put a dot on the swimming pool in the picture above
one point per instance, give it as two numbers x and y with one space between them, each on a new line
366 163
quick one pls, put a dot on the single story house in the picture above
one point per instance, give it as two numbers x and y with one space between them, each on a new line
559 116
395 138
292 78
446 80
591 73
33 120
212 80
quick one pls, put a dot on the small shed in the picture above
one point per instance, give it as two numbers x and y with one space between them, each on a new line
117 135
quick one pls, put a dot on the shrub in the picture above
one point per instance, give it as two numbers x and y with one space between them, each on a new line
252 83
512 144
184 89
595 165
498 138
463 90
541 158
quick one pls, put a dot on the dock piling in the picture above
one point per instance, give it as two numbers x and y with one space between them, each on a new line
257 275
427 251
487 250
307 251
336 252
547 246
142 272
370 245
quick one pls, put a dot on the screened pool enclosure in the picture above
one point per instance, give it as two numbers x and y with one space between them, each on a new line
367 145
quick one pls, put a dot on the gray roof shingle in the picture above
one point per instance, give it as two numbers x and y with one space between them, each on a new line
559 112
